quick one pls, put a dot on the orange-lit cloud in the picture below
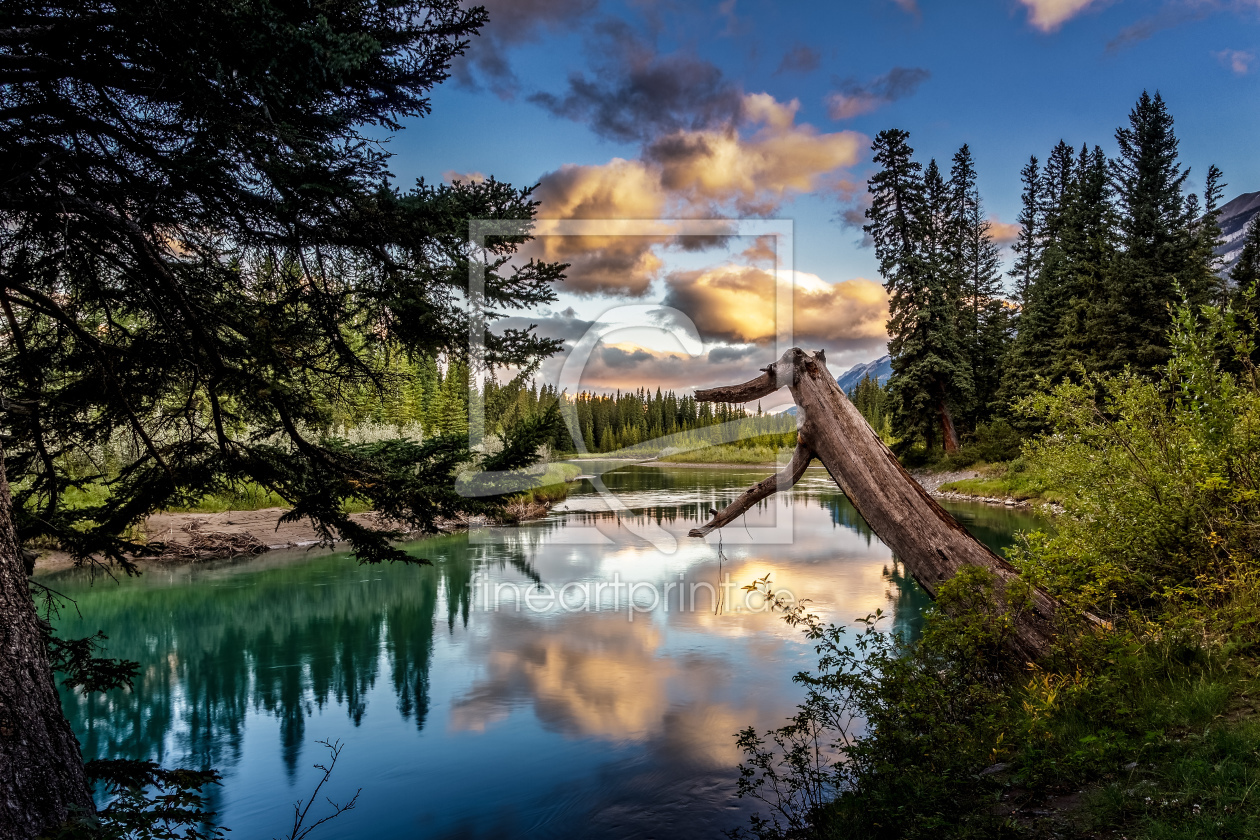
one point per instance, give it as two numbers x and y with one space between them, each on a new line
736 304
754 174
1003 233
1049 15
615 192
702 173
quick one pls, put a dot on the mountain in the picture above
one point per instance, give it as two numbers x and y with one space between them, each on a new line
1234 218
879 370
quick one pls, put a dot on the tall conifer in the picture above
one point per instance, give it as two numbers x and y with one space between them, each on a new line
905 227
1028 245
983 321
1155 233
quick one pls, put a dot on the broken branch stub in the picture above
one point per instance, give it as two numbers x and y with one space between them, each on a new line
931 545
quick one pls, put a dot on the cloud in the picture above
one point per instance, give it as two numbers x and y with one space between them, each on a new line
853 98
855 199
761 252
800 59
513 23
616 260
753 173
736 304
1169 16
746 169
1238 61
635 93
564 325
450 176
1003 233
1049 15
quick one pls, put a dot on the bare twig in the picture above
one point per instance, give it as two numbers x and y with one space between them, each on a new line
300 829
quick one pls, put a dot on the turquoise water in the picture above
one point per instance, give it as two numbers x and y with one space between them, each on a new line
538 681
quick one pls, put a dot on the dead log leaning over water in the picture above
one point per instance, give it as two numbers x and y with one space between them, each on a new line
931 545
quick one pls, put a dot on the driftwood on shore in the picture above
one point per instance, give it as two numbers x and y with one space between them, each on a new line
200 545
931 545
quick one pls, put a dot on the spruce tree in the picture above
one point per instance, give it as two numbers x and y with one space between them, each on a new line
905 223
1205 277
1246 272
1028 245
1155 237
983 319
1059 320
1088 256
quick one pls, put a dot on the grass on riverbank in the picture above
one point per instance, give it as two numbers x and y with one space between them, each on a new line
1015 479
729 454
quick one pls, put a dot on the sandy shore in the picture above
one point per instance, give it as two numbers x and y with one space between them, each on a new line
263 526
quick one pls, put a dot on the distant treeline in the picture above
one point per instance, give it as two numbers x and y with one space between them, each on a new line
433 398
1107 245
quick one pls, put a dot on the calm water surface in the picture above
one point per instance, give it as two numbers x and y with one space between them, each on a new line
466 713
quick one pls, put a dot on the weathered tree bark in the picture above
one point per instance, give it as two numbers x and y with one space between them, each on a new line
41 769
931 545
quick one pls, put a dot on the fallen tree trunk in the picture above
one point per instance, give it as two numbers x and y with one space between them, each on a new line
930 544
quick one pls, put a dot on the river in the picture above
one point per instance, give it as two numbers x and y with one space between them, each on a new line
582 675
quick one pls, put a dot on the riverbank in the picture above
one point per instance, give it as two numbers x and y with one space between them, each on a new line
196 536
186 537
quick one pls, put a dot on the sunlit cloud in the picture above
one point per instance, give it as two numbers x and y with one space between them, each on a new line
617 193
1003 233
1049 15
752 173
737 304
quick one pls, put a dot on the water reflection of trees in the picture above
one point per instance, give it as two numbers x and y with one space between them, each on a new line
285 640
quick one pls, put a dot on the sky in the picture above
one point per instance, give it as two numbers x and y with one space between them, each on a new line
764 113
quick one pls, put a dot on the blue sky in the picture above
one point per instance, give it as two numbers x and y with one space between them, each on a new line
747 108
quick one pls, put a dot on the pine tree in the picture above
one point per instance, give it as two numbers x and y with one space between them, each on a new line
983 320
1155 235
1205 279
1061 323
905 225
1028 246
1245 274
1088 256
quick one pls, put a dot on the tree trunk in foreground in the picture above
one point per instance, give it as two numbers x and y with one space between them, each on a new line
41 769
931 545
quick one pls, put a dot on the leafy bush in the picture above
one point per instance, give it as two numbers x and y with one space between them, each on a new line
1160 480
